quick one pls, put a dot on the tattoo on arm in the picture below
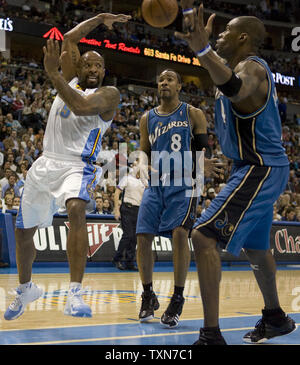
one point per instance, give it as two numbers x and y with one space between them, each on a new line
74 58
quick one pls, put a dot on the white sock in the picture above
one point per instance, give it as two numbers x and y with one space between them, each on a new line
24 286
75 285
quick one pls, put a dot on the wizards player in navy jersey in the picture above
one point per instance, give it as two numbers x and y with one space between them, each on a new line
168 207
248 128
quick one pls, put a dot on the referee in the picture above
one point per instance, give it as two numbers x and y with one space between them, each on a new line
132 189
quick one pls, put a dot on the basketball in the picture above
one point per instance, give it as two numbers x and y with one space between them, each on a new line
159 13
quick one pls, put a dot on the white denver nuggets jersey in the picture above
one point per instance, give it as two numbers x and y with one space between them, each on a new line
71 135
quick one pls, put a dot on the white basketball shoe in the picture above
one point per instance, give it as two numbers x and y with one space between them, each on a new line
24 296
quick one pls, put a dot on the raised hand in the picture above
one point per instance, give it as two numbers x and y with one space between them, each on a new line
51 56
198 34
188 16
108 19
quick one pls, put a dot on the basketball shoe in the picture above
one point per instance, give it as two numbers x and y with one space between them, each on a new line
149 305
75 305
210 337
270 326
24 295
170 318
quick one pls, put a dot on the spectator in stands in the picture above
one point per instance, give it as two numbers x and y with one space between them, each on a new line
4 180
11 159
7 100
276 216
22 157
99 205
283 203
16 202
15 140
211 193
34 119
12 122
17 106
29 150
11 185
289 215
107 207
8 200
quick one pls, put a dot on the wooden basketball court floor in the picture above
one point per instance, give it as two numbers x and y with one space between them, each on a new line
115 298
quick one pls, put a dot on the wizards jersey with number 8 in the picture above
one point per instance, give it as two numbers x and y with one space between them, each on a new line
253 139
170 138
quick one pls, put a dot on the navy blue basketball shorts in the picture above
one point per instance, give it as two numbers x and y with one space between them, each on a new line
164 208
241 215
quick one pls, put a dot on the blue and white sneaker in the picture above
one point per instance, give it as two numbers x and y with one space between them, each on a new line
23 297
75 305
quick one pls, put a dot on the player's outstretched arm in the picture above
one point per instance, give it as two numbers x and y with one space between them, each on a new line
247 76
73 37
212 166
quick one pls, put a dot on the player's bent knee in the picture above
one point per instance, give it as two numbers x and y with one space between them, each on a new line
201 242
180 233
76 210
144 238
255 256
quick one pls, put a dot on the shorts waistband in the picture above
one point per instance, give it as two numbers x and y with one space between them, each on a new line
56 156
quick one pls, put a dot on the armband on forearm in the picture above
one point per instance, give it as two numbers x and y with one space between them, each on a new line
232 86
199 142
187 11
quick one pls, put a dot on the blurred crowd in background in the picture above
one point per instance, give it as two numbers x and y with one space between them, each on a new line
26 98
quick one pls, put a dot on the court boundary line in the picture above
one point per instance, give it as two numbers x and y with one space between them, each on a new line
127 323
132 337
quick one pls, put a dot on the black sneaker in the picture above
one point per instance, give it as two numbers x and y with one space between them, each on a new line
170 318
149 305
118 265
210 338
131 267
264 330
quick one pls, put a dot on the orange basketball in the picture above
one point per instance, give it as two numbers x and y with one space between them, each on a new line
159 13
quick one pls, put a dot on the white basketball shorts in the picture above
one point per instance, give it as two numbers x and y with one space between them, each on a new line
49 183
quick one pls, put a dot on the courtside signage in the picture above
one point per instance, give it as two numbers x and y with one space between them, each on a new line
104 237
6 24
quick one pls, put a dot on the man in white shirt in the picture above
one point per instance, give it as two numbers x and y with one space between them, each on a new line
132 188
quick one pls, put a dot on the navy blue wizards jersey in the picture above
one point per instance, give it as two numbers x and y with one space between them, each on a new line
170 136
255 138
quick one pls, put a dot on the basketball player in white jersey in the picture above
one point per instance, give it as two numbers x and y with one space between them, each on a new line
64 176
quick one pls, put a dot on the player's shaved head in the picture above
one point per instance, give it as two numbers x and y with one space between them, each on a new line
253 26
91 55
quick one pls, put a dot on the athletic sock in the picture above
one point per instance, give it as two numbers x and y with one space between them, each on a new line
213 330
178 290
275 316
24 286
74 284
148 287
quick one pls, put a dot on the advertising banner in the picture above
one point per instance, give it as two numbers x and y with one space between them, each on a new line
104 236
